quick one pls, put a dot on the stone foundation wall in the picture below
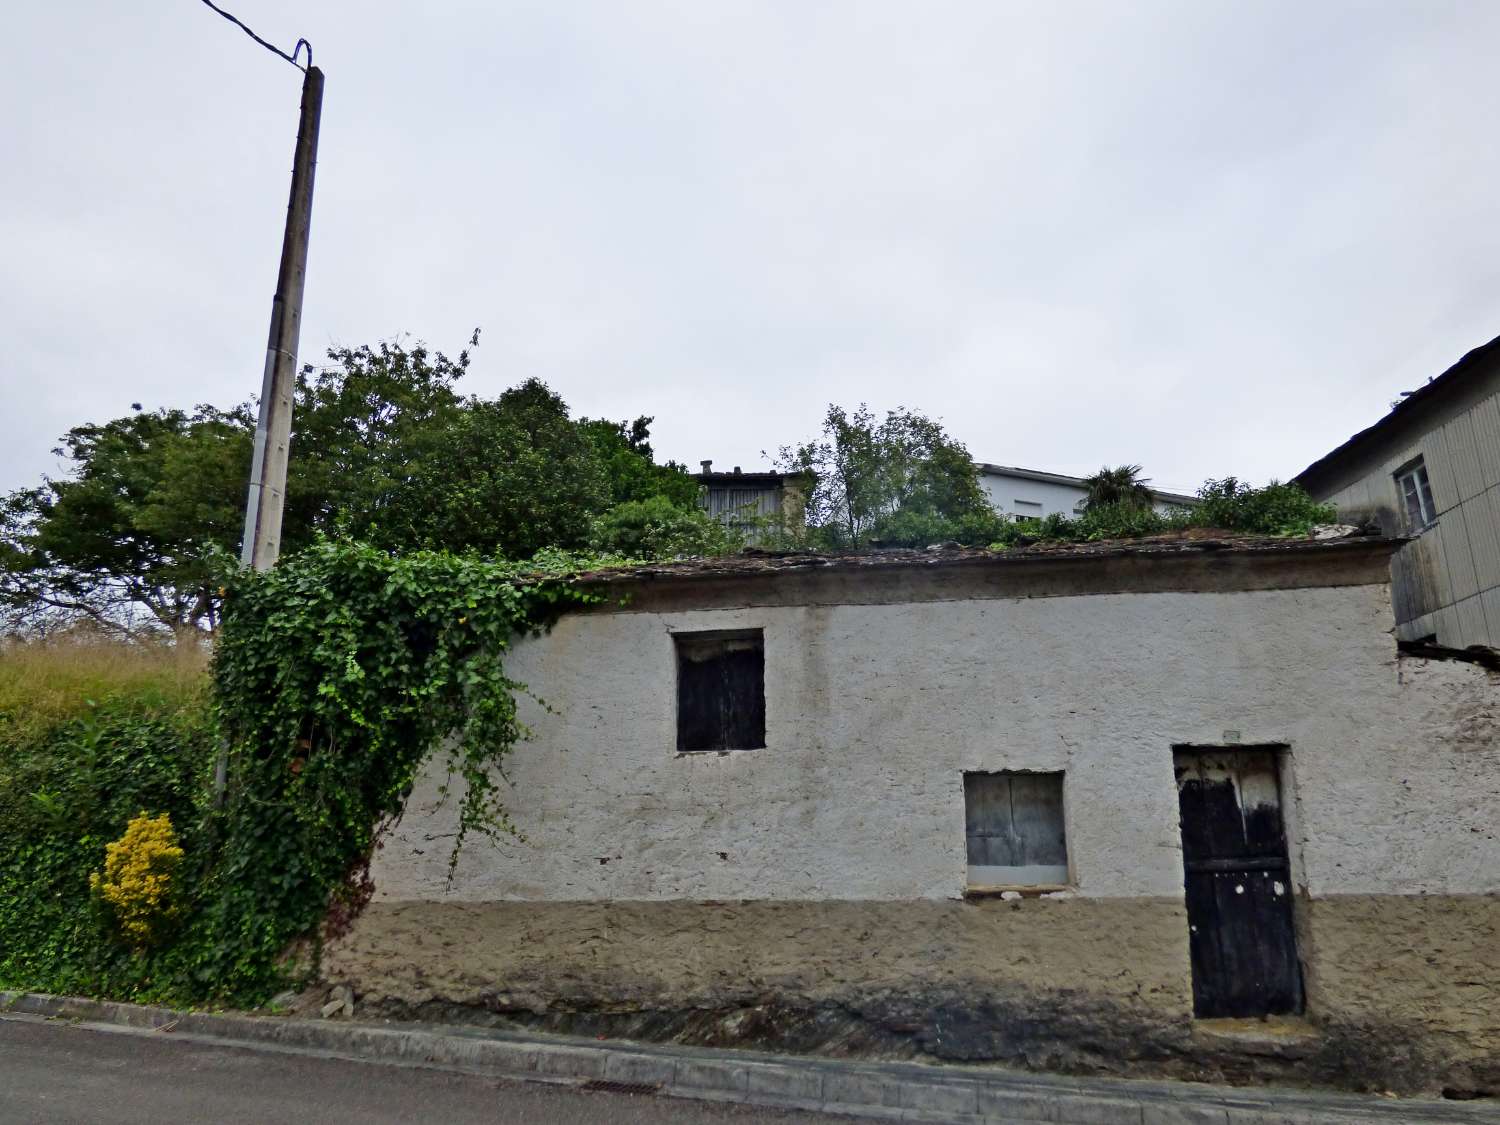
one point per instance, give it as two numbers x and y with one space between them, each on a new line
1403 992
1408 985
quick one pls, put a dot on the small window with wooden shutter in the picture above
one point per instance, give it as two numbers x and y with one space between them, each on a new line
721 691
1013 823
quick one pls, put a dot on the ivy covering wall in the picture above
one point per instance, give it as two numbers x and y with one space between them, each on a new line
333 677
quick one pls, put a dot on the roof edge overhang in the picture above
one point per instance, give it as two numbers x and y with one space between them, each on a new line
1215 566
1450 381
1074 482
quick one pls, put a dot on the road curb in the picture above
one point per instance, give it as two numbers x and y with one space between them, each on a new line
894 1091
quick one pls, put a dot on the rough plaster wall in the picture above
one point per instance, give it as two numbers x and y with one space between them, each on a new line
1429 964
874 712
1413 808
538 956
1403 989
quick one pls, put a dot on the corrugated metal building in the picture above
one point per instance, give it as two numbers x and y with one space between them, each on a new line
748 501
1431 469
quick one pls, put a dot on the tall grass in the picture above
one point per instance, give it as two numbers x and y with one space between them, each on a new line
46 682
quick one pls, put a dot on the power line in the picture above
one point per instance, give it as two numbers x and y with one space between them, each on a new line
275 50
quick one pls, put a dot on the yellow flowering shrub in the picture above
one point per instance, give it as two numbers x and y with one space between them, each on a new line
137 877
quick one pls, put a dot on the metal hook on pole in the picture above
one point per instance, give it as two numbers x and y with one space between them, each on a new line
275 50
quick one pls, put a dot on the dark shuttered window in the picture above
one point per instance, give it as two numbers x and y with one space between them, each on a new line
721 691
1014 828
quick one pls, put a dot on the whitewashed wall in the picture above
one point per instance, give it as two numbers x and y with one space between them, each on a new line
1003 489
874 711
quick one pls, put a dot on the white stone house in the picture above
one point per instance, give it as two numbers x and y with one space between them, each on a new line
1033 493
1071 809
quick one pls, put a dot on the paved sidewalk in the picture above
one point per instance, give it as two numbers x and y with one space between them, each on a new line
893 1091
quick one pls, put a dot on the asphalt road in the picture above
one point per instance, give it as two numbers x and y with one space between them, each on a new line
55 1072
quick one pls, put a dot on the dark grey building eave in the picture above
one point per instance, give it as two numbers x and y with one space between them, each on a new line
1433 390
740 478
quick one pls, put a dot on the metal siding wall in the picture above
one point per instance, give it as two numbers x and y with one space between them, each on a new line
1353 500
1486 419
1490 600
1418 578
1447 581
725 501
1472 629
1457 554
1434 451
1483 513
1417 628
1464 458
1447 626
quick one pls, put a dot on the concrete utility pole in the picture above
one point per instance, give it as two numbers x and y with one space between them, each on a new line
273 431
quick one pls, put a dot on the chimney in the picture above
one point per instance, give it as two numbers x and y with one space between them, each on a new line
708 467
736 470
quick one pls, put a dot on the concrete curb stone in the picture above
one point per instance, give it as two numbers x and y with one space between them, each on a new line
889 1091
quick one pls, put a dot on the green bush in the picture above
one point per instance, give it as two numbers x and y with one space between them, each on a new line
69 784
336 674
1226 505
1276 509
657 528
907 527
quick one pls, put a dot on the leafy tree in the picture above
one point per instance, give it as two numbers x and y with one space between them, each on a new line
902 475
1120 487
385 449
625 451
363 426
154 494
508 477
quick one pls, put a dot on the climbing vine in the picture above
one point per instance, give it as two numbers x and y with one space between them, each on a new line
335 676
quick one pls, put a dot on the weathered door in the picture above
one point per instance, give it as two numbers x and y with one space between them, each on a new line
1239 893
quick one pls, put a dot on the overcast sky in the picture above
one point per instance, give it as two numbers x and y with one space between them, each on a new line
1211 238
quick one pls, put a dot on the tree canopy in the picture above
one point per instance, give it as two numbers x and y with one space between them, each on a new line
385 449
152 495
1122 486
388 451
901 480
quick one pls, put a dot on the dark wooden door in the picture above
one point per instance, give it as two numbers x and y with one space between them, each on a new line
1239 891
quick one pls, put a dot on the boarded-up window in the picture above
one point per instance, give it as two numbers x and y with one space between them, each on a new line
1014 826
721 691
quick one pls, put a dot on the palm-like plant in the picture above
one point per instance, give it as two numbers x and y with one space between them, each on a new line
1123 486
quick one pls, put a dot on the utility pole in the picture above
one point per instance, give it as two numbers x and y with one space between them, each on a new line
273 430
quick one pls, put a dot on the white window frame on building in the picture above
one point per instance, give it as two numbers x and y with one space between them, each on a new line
1015 830
1414 491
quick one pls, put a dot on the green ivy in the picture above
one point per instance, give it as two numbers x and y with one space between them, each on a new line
65 792
336 674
